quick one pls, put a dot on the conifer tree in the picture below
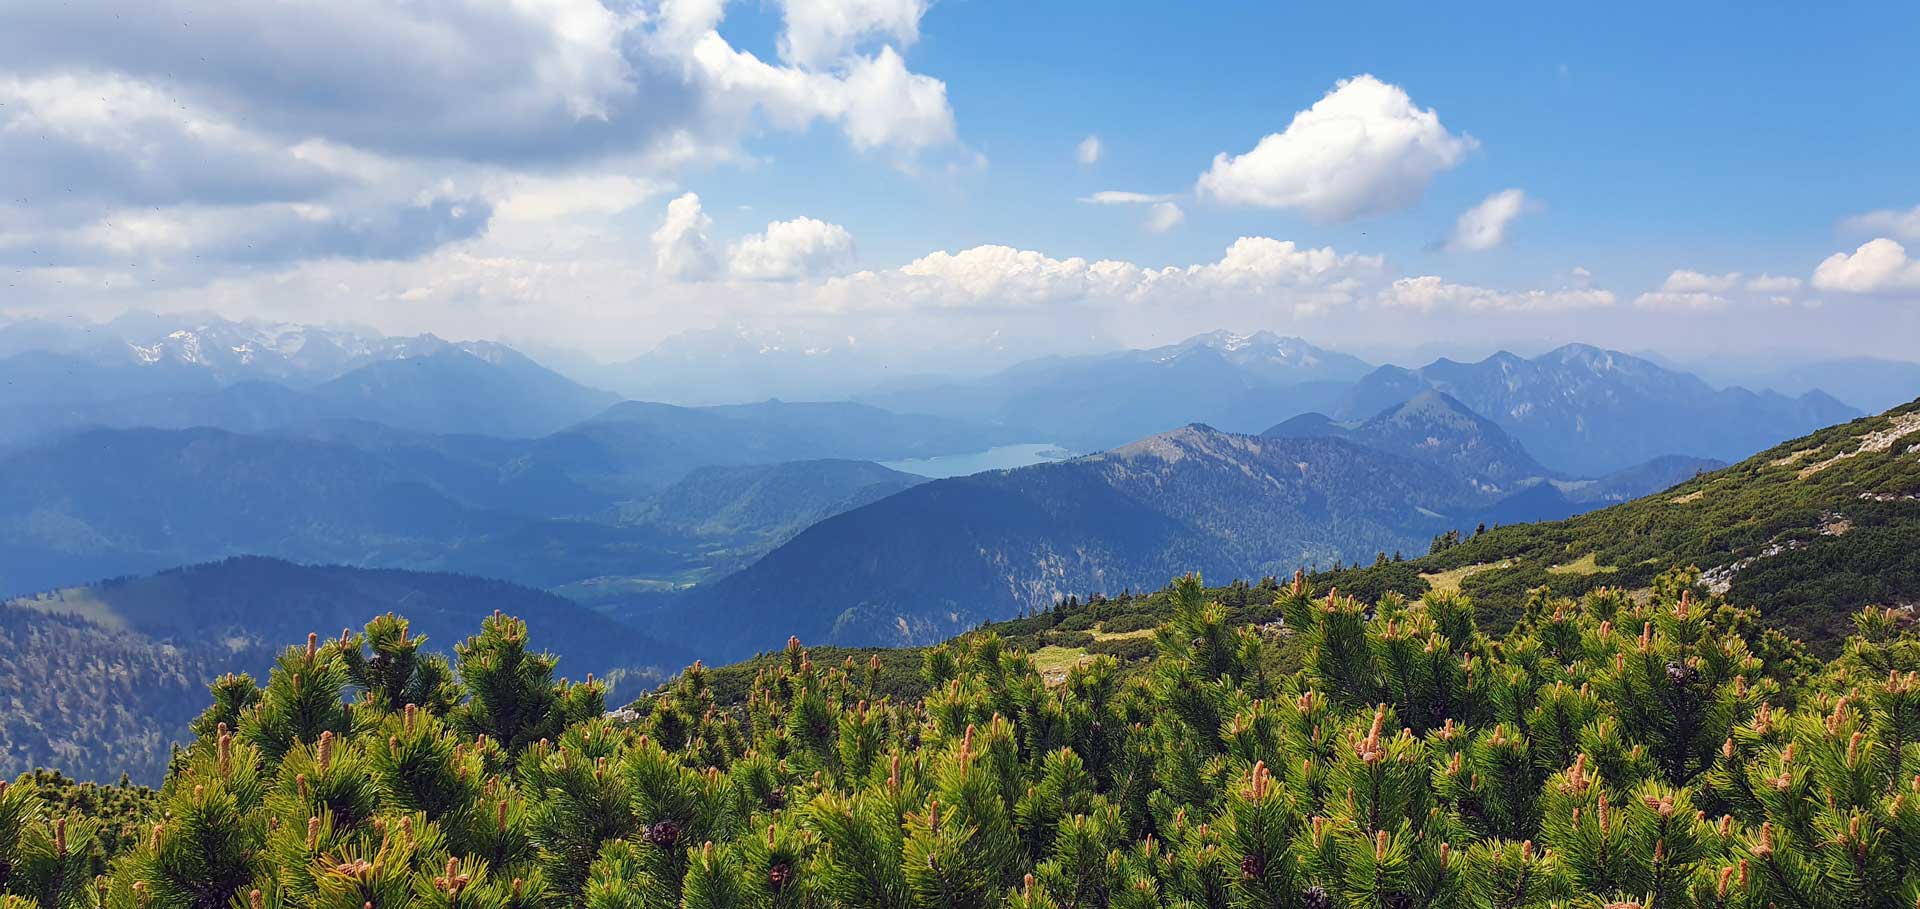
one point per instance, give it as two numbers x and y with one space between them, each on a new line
1652 750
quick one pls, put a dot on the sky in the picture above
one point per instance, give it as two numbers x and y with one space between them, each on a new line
975 179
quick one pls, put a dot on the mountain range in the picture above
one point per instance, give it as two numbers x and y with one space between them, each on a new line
1237 382
563 508
152 442
1434 427
478 389
1870 383
920 564
223 351
1589 411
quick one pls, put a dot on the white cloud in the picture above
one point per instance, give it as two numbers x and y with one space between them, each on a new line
1164 216
885 105
114 140
1362 150
1774 284
1162 213
1429 292
791 250
1886 222
1484 226
681 250
820 33
1263 269
1123 197
1665 299
1688 281
548 198
476 80
1688 289
1878 266
1088 152
513 129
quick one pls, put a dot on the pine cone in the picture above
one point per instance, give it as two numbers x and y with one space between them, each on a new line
779 876
1400 900
1679 674
777 797
1253 866
1317 898
663 834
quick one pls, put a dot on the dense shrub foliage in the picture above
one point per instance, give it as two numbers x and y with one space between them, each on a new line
1612 751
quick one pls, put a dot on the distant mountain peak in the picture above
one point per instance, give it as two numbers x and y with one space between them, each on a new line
232 350
1434 427
1263 340
1431 401
1602 360
1589 411
1193 439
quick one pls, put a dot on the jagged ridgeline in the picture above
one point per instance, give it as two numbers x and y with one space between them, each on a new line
1311 751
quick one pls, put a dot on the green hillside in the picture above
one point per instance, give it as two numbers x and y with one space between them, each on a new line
1806 532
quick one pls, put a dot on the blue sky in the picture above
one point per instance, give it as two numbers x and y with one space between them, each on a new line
1698 179
1741 137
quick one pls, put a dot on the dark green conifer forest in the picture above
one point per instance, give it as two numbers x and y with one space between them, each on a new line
1314 752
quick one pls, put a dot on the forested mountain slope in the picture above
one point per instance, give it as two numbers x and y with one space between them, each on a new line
573 505
933 560
1434 427
1806 532
100 678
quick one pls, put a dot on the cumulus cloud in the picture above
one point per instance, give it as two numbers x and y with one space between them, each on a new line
105 140
1688 289
1886 222
1253 269
681 250
475 80
1364 149
1164 216
819 33
1429 292
460 78
1484 226
1088 152
1878 267
235 121
882 104
791 250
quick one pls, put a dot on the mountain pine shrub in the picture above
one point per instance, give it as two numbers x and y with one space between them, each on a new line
1609 752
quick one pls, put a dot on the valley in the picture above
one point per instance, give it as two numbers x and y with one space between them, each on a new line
254 498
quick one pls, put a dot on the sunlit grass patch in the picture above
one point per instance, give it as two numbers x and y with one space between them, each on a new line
1585 565
1053 662
1449 581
